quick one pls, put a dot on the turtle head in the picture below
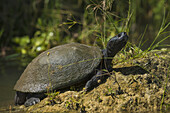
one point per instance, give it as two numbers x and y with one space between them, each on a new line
116 43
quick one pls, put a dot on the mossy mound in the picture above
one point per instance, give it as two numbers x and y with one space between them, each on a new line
138 85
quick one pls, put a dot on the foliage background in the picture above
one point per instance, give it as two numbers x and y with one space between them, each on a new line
31 26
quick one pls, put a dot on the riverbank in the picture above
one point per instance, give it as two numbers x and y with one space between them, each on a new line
137 85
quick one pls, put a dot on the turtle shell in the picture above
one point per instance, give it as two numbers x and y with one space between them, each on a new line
59 67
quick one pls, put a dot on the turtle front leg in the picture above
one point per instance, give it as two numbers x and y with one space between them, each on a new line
99 78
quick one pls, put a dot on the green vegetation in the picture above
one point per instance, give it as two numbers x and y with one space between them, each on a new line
53 98
41 25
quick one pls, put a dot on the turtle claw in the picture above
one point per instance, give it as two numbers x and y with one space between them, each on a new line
32 101
99 78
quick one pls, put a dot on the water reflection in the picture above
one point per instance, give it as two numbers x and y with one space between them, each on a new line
10 71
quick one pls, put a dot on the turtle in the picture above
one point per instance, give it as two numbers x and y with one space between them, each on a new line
66 65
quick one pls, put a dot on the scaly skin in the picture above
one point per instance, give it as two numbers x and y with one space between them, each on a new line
114 45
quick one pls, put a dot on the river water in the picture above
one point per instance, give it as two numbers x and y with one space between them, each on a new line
10 72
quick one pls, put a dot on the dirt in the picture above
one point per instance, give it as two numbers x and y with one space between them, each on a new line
137 85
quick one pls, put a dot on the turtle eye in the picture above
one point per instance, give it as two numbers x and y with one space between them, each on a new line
119 35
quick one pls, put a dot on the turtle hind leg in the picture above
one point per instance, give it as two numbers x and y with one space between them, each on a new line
97 79
31 101
28 99
34 98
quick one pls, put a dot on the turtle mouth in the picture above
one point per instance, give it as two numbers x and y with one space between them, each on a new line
118 42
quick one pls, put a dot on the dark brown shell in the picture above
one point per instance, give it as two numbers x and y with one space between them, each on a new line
61 66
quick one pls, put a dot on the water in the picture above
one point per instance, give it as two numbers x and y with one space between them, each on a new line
10 72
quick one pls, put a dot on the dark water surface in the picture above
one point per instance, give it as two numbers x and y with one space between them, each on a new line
10 72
